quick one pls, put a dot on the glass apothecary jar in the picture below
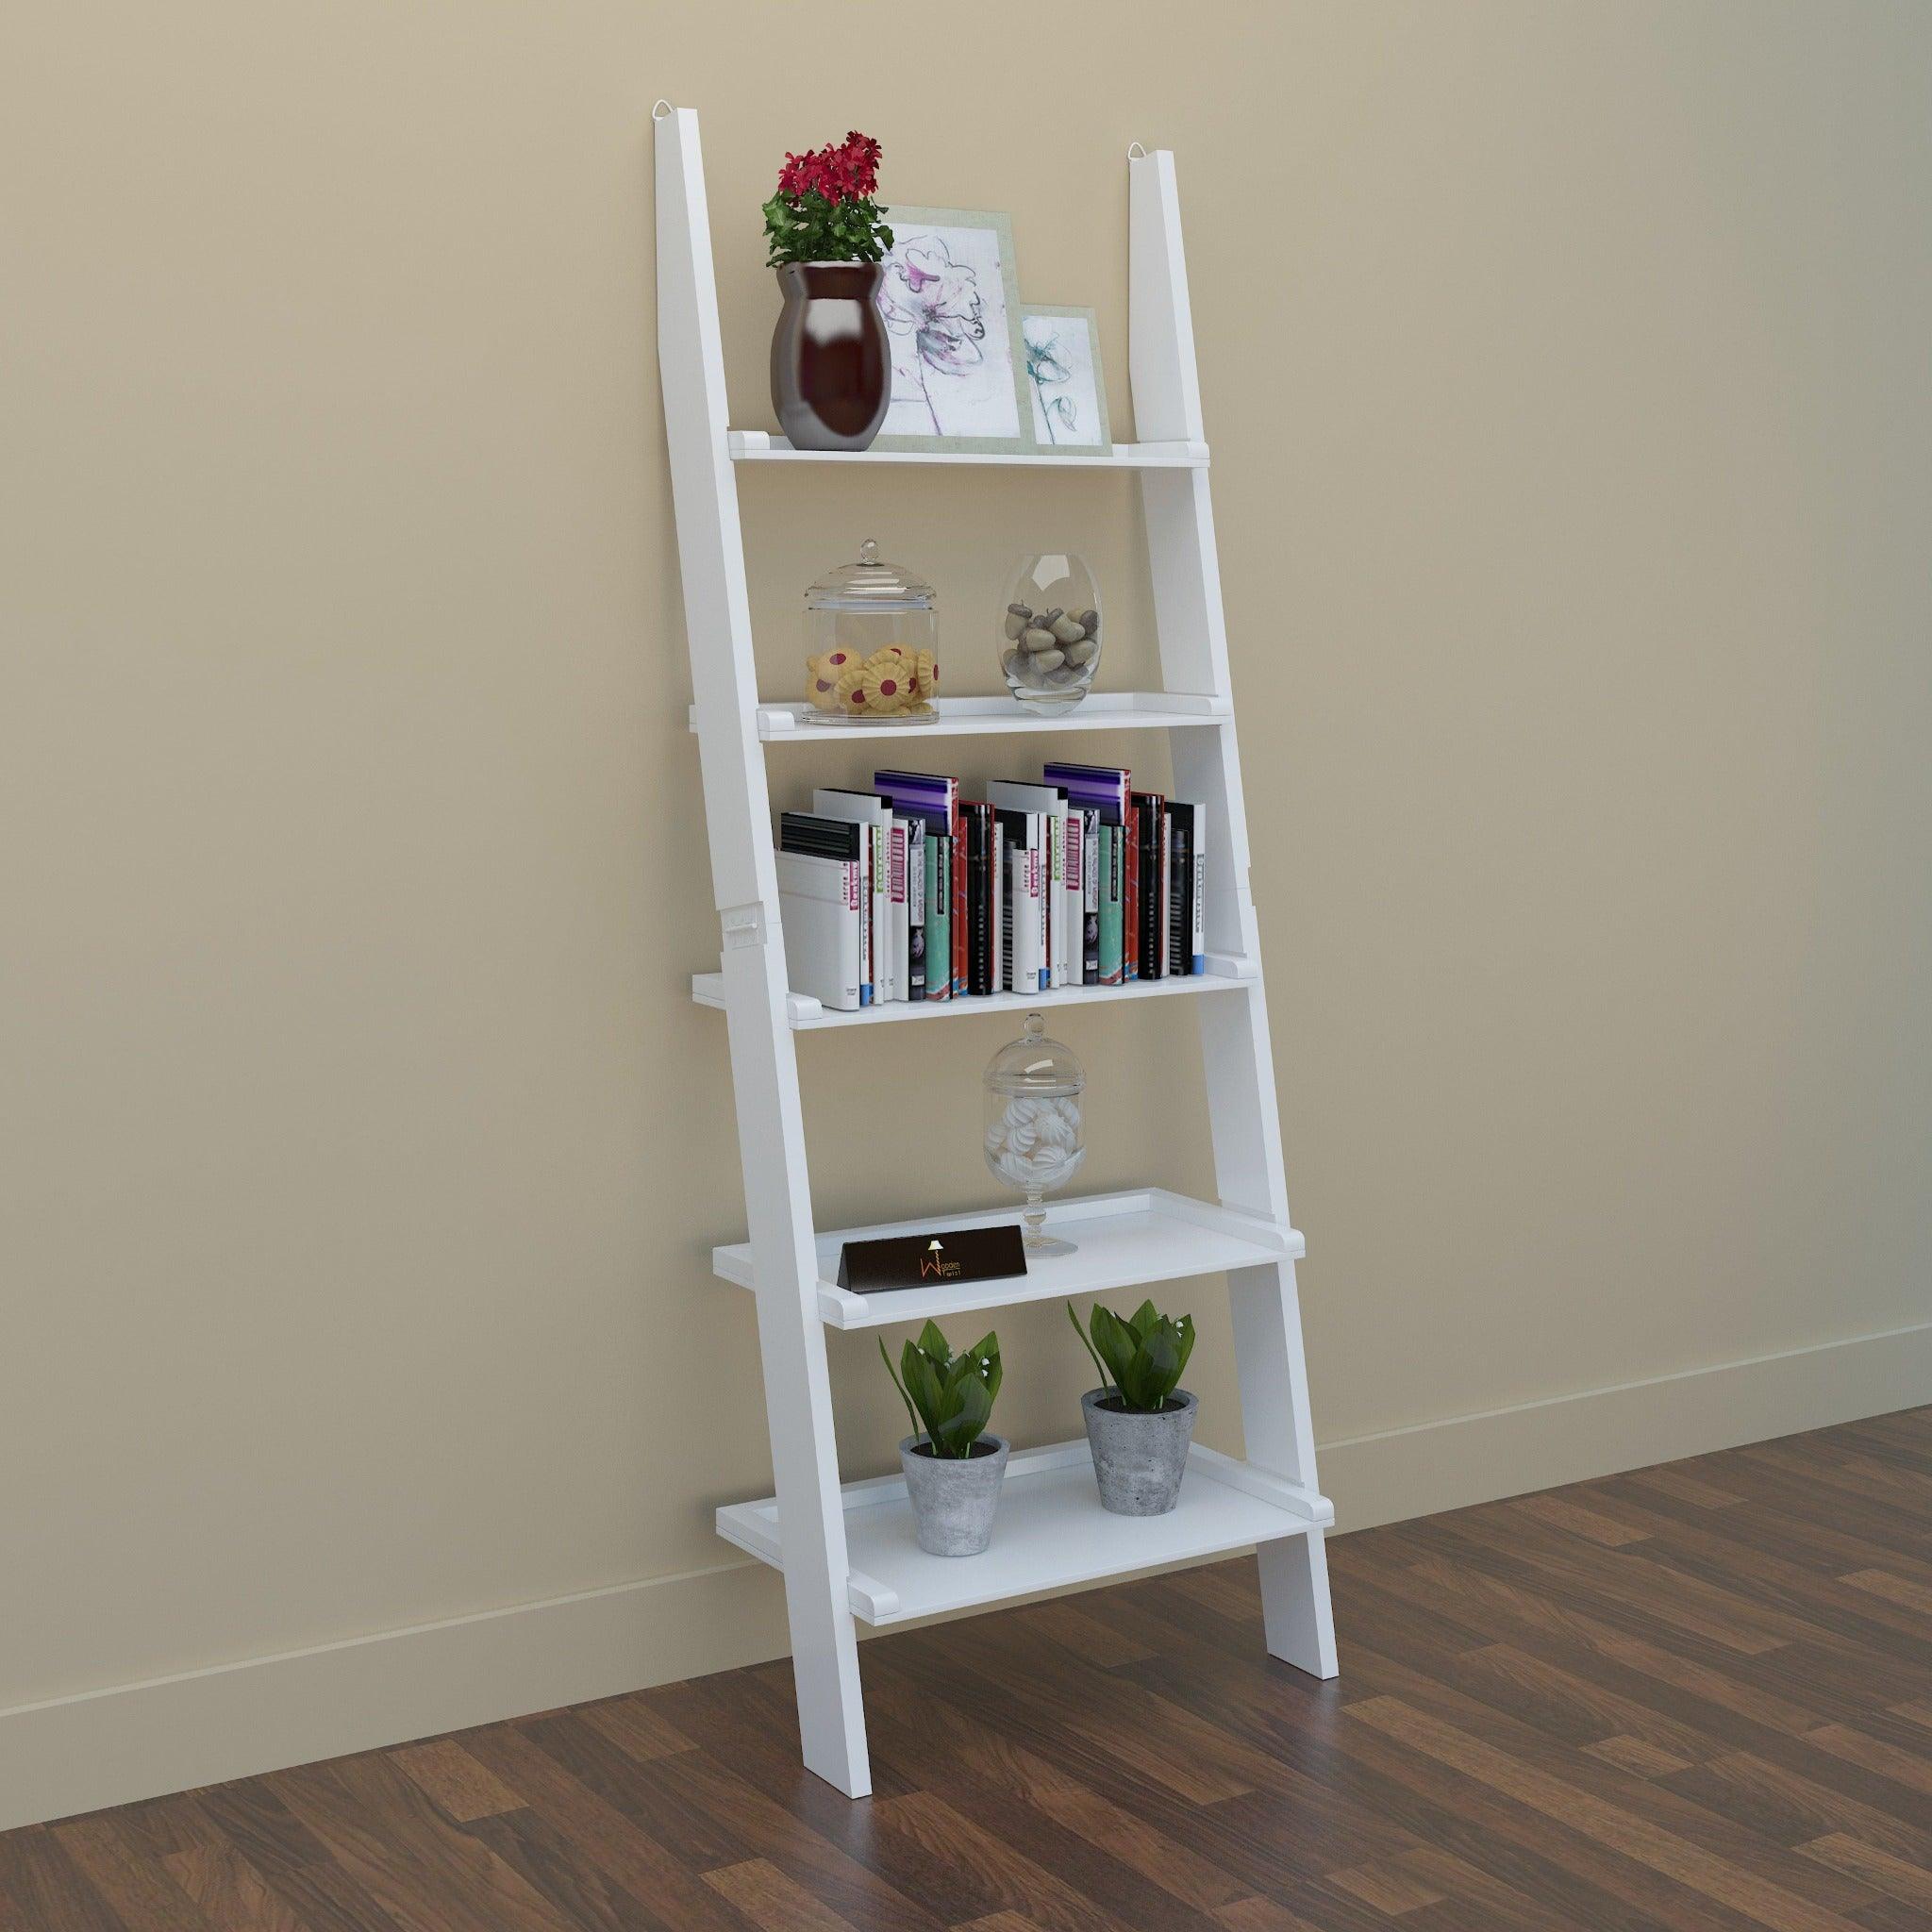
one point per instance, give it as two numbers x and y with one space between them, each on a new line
871 645
1050 632
1036 1124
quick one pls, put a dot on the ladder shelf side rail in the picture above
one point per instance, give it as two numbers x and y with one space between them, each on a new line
1237 1053
765 1067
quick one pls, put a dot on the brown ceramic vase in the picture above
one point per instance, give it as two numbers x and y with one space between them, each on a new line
831 367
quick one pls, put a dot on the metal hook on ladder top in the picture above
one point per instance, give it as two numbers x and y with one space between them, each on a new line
662 108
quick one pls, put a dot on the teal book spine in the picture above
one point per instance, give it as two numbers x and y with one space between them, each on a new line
1112 903
939 920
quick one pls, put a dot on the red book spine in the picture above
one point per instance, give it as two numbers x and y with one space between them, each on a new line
1131 911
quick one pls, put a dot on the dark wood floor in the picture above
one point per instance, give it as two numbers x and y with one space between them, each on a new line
1695 1696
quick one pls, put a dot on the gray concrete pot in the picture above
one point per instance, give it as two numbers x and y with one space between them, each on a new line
1138 1459
952 1501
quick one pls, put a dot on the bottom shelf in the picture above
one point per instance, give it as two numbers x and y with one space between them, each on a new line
1051 1532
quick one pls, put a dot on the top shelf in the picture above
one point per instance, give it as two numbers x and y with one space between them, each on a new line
757 446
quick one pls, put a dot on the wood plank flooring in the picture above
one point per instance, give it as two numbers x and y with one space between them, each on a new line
1697 1696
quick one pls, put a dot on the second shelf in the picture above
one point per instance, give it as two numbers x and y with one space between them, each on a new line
1121 1240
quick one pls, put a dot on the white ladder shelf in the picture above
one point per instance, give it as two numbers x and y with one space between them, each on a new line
846 1551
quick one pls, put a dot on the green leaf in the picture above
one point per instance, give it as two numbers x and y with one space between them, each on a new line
1100 1366
899 1385
962 1428
1115 1343
923 1382
1156 1368
985 1352
1143 1320
934 1345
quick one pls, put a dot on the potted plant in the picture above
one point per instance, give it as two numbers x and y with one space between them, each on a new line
953 1469
1139 1422
831 365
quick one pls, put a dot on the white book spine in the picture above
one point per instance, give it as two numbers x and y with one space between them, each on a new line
1001 895
884 986
1199 940
819 914
1072 893
1023 933
1038 878
863 886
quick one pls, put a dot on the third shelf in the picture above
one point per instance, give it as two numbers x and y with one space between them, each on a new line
1225 972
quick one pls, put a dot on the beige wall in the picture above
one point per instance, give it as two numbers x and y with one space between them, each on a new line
1567 373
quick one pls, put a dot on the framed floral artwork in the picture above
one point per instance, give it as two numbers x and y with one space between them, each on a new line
1065 392
950 300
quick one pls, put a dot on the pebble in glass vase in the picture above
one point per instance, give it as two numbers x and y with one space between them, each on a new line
1035 1128
1050 633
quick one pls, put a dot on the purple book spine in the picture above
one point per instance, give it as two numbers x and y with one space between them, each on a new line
1100 787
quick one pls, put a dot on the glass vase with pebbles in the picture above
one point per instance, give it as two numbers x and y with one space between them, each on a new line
1050 633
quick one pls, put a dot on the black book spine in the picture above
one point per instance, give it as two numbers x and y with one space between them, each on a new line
800 831
1180 923
1152 925
915 902
1015 834
1090 896
979 882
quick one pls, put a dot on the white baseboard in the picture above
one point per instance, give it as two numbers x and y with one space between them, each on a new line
168 1734
173 1734
1460 1460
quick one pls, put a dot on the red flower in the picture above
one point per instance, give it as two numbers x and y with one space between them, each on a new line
849 172
863 154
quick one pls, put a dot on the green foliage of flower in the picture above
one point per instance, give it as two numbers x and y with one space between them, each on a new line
1141 1357
949 1398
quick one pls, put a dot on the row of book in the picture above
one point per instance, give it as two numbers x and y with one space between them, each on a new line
910 892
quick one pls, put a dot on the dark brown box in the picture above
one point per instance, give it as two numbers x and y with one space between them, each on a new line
941 1258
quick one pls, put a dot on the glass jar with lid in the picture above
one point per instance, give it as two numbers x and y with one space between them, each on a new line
871 645
1035 1128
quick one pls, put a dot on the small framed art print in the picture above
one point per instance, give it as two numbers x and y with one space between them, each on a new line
1065 392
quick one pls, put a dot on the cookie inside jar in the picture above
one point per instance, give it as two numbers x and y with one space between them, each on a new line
871 645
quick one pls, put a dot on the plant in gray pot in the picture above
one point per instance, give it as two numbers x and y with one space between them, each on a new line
1139 1421
953 1468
